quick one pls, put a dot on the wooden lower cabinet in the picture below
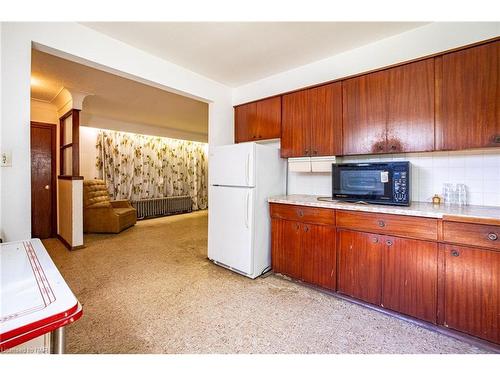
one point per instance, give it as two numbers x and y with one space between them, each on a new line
410 274
472 291
318 255
304 251
360 265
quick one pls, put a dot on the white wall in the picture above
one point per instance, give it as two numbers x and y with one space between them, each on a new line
83 45
44 112
479 170
423 41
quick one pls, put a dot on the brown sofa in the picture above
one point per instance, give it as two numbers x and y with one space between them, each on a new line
100 214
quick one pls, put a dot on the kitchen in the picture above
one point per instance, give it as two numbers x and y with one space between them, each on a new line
358 214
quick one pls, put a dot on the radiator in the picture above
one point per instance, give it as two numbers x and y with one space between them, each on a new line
162 206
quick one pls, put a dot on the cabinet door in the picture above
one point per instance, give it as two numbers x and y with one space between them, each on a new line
360 265
468 97
268 123
318 255
410 277
286 247
295 126
410 125
325 106
472 291
365 113
245 117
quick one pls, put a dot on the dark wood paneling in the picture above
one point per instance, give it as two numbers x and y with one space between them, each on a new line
397 225
472 234
468 97
303 214
472 291
410 125
43 175
365 100
244 119
295 125
318 255
360 265
410 277
268 119
286 254
325 106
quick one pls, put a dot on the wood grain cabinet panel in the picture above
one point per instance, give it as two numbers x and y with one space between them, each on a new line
286 256
468 98
472 291
410 123
303 214
472 234
319 255
312 122
360 265
410 277
397 225
258 120
365 101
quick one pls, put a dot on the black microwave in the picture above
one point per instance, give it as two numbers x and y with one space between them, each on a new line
380 183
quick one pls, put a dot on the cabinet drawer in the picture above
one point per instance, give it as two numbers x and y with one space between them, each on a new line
397 225
302 213
472 234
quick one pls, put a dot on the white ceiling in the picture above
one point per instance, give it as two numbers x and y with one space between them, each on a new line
115 97
235 53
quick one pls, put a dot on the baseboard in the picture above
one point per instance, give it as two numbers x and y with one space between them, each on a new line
67 245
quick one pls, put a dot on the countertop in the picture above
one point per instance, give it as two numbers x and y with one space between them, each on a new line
476 214
34 298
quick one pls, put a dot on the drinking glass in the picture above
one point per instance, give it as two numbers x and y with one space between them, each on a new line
448 193
461 194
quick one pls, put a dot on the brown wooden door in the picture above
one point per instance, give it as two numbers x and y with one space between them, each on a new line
365 100
325 107
318 255
410 277
472 291
43 170
410 125
245 117
360 265
468 98
268 119
286 247
295 125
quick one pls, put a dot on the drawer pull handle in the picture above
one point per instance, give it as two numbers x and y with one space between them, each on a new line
492 236
388 243
455 253
375 240
381 224
306 228
301 213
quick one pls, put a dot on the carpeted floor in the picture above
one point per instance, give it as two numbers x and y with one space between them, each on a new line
151 289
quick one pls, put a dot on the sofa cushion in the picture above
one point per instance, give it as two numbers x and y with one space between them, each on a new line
95 194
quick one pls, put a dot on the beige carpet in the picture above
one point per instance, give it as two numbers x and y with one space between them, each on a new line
151 289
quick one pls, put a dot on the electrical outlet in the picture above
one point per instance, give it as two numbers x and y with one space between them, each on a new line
6 160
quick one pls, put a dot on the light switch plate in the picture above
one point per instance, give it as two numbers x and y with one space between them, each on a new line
6 160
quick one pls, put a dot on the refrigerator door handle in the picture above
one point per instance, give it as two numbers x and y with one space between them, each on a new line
247 210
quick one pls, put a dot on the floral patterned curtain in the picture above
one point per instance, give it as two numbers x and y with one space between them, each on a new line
137 166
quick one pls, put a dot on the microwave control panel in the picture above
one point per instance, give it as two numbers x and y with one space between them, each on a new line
400 188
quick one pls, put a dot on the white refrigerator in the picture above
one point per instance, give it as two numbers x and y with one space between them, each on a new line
242 177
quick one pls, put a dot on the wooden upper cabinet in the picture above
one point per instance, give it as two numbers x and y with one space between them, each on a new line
410 119
258 120
467 98
365 113
390 111
295 127
472 291
312 122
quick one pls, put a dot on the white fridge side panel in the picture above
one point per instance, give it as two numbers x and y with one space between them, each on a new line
233 165
231 218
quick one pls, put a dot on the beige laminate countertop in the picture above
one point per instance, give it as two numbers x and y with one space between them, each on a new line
476 214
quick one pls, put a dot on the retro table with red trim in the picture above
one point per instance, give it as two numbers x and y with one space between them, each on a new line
34 298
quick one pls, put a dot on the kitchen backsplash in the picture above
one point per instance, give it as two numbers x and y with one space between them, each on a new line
479 170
